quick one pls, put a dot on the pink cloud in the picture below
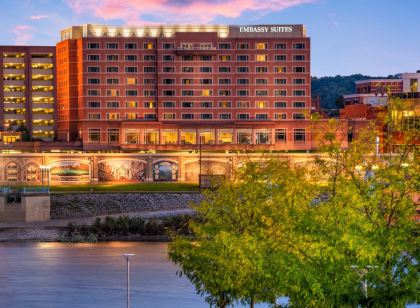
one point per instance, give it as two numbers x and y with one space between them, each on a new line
38 17
23 34
181 11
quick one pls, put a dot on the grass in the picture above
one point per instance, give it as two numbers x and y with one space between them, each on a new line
146 187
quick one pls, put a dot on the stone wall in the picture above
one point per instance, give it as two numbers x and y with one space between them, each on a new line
72 205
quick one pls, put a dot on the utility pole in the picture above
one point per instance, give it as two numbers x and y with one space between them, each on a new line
362 274
127 258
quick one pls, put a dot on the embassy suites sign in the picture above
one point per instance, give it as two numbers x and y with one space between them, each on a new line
267 31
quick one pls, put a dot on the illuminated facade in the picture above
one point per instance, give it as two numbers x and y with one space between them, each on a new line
179 87
27 96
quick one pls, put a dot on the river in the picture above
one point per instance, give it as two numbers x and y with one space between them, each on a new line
91 275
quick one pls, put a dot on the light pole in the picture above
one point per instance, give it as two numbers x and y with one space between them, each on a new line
127 257
92 174
362 274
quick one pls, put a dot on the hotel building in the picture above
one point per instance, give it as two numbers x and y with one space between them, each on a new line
179 87
27 96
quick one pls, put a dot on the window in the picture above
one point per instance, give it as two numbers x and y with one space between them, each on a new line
261 58
112 116
149 46
224 46
130 69
205 69
261 105
206 116
112 57
151 136
242 116
242 46
187 104
94 93
224 69
149 58
244 136
149 104
169 116
149 69
299 46
187 58
299 57
150 116
299 93
224 116
242 104
112 104
224 92
130 58
242 58
280 57
187 69
93 81
299 135
113 135
225 81
280 116
299 69
299 81
206 58
168 81
112 81
299 104
261 81
130 46
112 69
187 116
261 116
206 81
262 136
242 81
168 46
131 80
261 92
168 69
242 69
280 69
280 135
225 104
130 92
93 57
94 116
131 104
93 69
93 45
206 92
149 93
206 104
298 116
280 81
261 69
131 116
112 92
280 93
187 93
168 58
94 104
224 58
280 46
94 135
111 45
186 46
149 81
168 92
168 104
187 81
280 104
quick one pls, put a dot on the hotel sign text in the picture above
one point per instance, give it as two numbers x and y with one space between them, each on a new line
265 29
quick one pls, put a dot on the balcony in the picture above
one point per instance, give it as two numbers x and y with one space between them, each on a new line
42 105
42 83
36 71
19 60
42 94
13 116
13 105
11 71
16 83
14 94
42 60
42 116
196 50
42 127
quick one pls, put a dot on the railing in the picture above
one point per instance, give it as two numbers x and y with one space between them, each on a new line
35 190
196 48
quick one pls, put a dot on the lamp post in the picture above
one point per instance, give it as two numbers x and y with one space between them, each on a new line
362 274
92 174
127 257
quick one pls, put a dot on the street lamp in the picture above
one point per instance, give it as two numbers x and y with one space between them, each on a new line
92 174
127 257
362 274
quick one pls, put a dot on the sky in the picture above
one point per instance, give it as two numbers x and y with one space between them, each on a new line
371 37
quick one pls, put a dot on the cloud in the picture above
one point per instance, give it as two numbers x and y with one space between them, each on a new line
38 17
177 11
23 34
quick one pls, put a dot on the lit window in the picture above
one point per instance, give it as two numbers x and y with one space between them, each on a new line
131 116
260 104
261 58
131 81
206 92
261 46
131 104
